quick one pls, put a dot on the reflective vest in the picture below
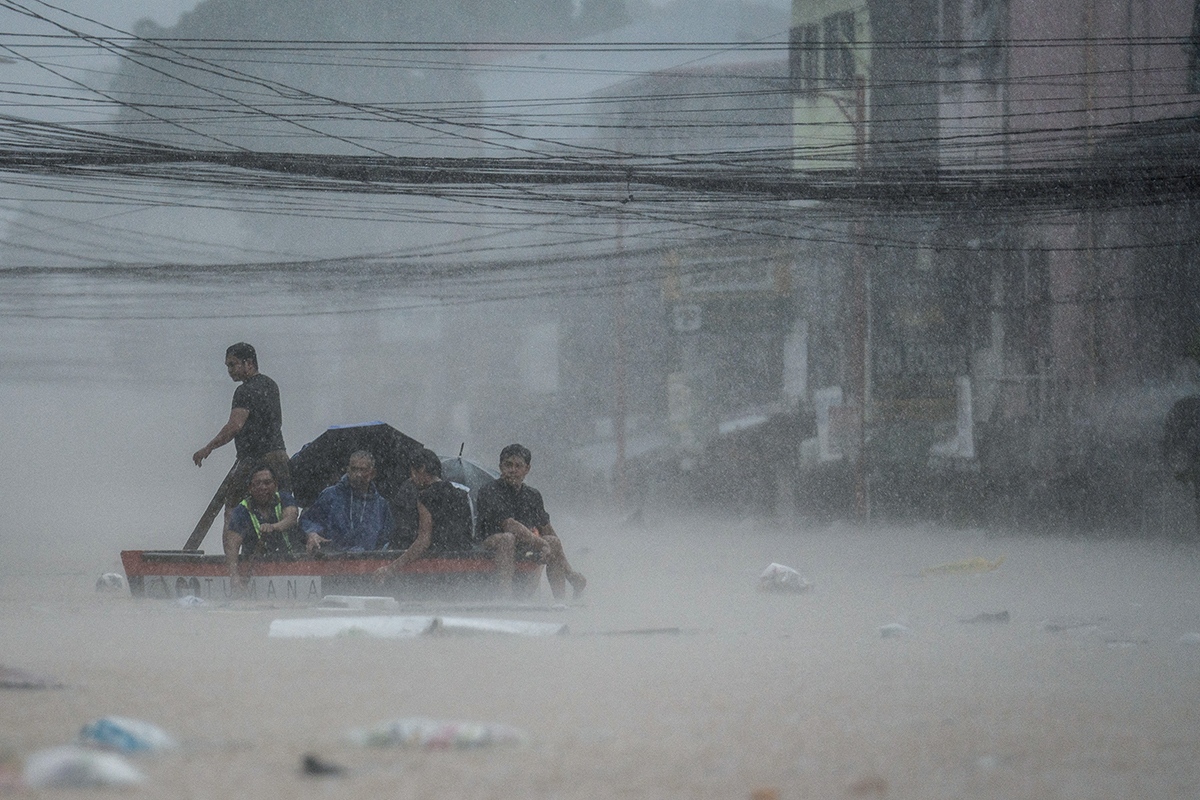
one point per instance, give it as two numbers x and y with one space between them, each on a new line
254 521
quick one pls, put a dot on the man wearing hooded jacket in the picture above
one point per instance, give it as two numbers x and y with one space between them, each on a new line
351 515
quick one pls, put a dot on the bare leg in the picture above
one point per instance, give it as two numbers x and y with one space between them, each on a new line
504 552
558 570
233 545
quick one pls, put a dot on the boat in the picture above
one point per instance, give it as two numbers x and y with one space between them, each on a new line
301 578
171 574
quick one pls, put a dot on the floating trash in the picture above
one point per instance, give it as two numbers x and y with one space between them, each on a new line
433 734
127 735
112 583
778 578
12 678
73 767
514 627
406 627
972 566
318 767
893 629
987 618
328 627
191 601
1070 624
357 603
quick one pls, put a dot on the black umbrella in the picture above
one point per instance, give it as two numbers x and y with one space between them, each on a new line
468 473
322 461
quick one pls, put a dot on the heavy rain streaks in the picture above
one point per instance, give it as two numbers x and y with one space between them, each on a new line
893 299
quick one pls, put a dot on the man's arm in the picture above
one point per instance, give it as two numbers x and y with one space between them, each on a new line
419 545
313 523
237 420
527 540
287 521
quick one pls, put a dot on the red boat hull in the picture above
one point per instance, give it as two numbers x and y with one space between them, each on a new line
178 573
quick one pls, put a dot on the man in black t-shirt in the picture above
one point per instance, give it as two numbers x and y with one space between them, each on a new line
512 515
255 428
443 514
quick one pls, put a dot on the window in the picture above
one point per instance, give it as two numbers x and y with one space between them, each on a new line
1193 51
987 34
839 49
952 32
804 58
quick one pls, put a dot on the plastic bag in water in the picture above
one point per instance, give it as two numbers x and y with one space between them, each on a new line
436 734
778 578
72 767
127 735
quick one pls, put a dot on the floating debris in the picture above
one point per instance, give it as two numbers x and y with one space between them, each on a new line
433 734
986 618
358 603
317 767
642 632
127 735
778 578
191 601
407 627
73 767
1124 644
112 583
517 627
893 629
972 566
1070 624
12 678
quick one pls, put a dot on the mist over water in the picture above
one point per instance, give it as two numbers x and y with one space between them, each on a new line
678 678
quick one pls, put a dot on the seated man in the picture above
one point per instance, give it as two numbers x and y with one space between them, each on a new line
512 515
350 515
264 522
443 514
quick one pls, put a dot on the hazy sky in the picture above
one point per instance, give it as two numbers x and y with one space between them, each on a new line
124 13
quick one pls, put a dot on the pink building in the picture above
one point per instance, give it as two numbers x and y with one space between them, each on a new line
1069 316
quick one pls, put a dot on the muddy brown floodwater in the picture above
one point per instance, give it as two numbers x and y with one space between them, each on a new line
678 679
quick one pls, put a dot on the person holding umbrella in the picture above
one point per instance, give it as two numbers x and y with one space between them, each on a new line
443 514
512 515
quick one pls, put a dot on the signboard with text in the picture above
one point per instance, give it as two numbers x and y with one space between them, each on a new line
295 588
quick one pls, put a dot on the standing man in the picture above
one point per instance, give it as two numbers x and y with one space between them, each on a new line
255 428
351 515
512 515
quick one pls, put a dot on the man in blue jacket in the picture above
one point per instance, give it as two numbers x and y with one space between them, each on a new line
350 515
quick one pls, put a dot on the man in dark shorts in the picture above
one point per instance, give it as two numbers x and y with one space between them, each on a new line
255 428
443 514
512 515
265 522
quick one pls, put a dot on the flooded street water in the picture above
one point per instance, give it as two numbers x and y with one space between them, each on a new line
677 679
